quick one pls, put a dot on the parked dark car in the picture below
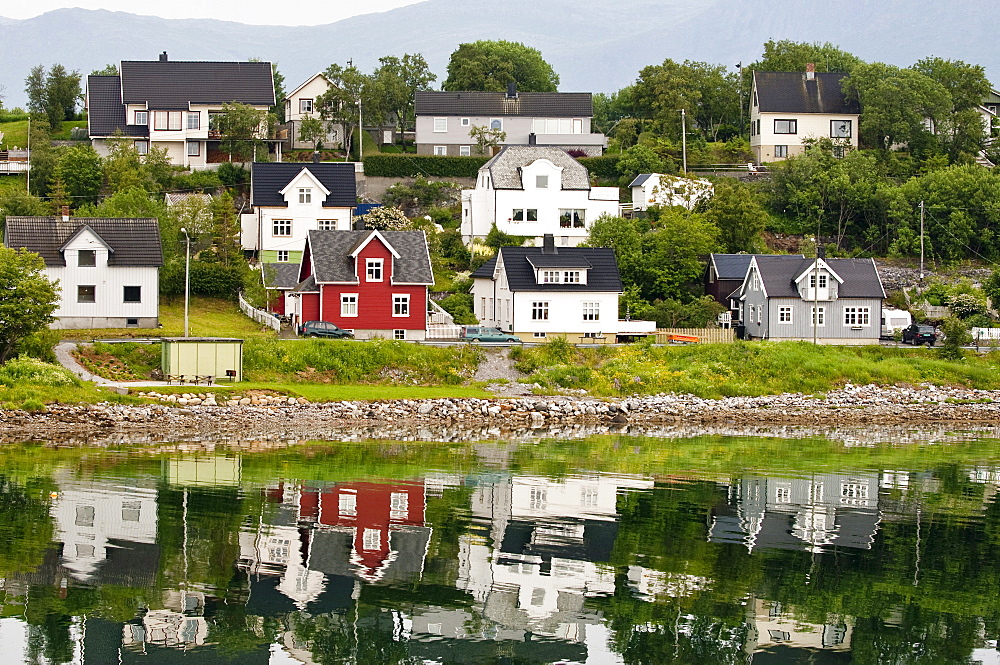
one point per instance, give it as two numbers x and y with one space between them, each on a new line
484 334
324 329
918 334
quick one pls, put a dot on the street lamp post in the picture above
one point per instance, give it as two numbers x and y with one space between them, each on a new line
187 280
684 140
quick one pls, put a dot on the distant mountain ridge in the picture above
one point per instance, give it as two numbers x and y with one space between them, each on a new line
593 46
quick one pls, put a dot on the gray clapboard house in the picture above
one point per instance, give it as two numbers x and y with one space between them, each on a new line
834 301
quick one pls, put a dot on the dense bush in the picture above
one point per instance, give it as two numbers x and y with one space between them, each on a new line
31 370
198 181
410 166
460 306
604 167
232 174
207 279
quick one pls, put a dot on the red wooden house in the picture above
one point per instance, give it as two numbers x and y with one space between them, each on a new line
372 282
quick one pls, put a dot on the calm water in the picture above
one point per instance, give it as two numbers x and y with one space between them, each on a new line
609 549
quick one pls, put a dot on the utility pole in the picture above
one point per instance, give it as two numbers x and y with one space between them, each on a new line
28 185
684 141
921 245
739 83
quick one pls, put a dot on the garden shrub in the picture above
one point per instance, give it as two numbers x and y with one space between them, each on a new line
411 166
31 370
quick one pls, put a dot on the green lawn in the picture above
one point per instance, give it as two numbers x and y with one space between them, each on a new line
10 184
16 133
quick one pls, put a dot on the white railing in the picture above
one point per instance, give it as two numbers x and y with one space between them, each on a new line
443 331
260 316
13 167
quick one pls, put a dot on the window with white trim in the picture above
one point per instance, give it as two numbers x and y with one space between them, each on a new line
373 270
466 122
193 148
541 182
784 315
193 120
282 256
783 494
819 316
440 124
857 316
572 218
348 304
142 147
305 106
347 504
538 335
781 151
327 225
371 540
496 123
550 277
823 280
401 305
399 333
281 227
440 150
86 258
86 293
840 129
571 277
540 311
399 505
305 194
524 214
142 118
465 151
591 311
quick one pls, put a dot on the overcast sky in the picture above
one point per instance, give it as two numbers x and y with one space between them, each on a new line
259 12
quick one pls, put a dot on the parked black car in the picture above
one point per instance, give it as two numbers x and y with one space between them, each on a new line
917 334
324 329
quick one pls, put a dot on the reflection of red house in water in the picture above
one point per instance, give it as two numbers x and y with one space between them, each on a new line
373 511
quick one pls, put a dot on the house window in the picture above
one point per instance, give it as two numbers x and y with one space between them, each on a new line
822 280
538 335
857 316
440 124
466 122
496 123
305 195
783 494
541 182
819 316
753 310
786 126
347 504
86 293
550 277
784 315
193 148
401 305
132 294
574 218
372 540
591 311
781 151
305 106
840 129
399 334
755 282
282 227
193 120
373 270
282 256
142 118
86 258
142 147
131 323
465 151
578 125
167 120
349 304
571 277
540 311
440 150
327 225
525 215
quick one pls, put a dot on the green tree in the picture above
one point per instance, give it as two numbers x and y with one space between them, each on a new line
34 86
61 94
739 216
82 173
29 298
961 133
20 204
786 55
640 159
108 70
244 130
339 104
486 139
313 130
707 93
491 65
396 81
44 159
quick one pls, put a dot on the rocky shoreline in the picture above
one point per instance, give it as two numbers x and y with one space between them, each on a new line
249 417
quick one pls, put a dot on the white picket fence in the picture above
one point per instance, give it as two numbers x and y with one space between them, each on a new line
260 316
985 333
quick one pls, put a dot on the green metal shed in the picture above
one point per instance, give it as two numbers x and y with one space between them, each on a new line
220 357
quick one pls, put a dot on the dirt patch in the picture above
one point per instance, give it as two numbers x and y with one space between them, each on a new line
104 365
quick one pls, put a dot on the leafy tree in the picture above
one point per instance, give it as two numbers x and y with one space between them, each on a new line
81 172
611 109
497 239
640 159
385 218
339 104
122 166
313 130
738 215
34 86
108 70
491 65
786 55
278 110
423 194
396 81
706 92
54 94
486 139
244 130
20 204
961 133
29 298
44 159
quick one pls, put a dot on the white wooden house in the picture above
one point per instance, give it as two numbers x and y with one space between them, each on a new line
107 269
300 103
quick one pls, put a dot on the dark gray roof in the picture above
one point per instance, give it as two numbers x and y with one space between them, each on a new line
134 242
105 110
791 92
602 276
280 275
532 104
308 285
174 85
861 279
267 179
505 167
332 262
559 261
734 266
641 179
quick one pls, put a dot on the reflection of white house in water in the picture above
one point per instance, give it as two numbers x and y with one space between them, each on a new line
105 528
179 624
815 512
772 627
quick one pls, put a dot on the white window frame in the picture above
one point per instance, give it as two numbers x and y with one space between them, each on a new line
400 305
142 118
572 218
305 195
440 151
539 335
282 256
466 122
193 120
305 105
374 270
496 121
465 151
550 277
371 540
524 215
349 304
540 310
142 147
440 124
194 148
842 123
281 228
785 315
572 277
326 225
90 298
592 311
821 318
347 504
857 316
399 333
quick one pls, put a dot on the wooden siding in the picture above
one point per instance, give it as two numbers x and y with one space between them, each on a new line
834 328
310 306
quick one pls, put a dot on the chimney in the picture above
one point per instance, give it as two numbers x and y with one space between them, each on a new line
810 71
163 57
315 157
532 139
512 90
65 213
359 224
549 244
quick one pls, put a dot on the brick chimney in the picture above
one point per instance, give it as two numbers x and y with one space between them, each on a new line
512 90
810 71
163 57
549 244
65 213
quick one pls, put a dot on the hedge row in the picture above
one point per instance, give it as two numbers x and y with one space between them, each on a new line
604 167
411 166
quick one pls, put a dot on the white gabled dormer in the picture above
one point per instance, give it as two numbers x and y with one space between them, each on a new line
86 249
305 189
818 282
541 174
752 282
